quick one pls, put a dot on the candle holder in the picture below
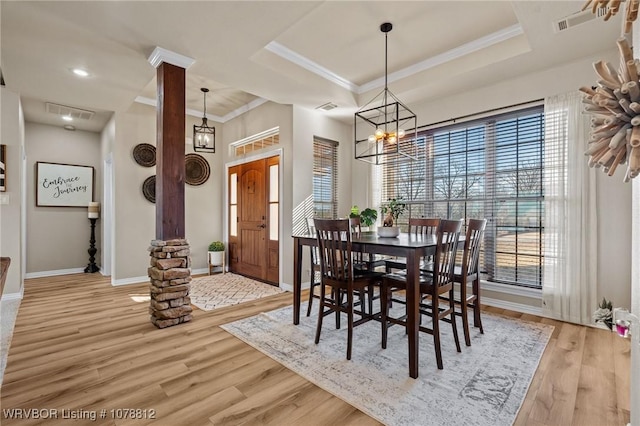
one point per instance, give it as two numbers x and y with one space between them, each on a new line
92 267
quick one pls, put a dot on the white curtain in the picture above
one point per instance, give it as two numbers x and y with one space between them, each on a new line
570 227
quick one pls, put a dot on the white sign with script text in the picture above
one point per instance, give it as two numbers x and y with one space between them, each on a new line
63 185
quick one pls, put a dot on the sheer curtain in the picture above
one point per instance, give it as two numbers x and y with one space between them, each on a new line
570 242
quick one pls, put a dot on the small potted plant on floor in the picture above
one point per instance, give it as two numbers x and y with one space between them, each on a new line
391 210
216 253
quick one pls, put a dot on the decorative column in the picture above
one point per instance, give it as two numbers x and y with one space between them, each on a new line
170 270
170 274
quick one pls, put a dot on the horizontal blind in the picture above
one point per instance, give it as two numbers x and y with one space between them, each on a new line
490 168
325 178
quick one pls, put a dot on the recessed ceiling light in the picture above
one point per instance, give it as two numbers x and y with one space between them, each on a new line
69 127
80 72
67 118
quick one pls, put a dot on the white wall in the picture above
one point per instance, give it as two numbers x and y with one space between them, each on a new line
134 217
58 237
12 135
614 221
107 227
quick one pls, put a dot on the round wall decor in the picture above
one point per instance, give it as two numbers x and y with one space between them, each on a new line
145 154
197 169
149 188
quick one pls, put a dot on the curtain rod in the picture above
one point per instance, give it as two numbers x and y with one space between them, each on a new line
480 113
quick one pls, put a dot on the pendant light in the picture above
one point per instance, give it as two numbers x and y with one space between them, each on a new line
385 128
204 137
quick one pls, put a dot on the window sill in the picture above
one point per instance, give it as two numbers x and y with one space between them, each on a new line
534 293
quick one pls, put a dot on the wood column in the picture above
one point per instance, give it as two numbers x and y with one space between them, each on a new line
170 152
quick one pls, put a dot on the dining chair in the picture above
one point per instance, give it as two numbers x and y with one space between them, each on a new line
417 226
467 273
314 267
337 272
432 285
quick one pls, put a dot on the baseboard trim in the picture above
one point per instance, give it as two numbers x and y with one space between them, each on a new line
289 287
54 273
517 307
13 296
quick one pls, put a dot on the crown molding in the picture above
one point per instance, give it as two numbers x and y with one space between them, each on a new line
450 55
308 64
160 55
195 113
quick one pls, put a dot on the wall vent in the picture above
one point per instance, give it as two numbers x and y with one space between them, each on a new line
76 113
327 107
579 18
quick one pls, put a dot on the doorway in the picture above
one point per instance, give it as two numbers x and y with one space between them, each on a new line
254 219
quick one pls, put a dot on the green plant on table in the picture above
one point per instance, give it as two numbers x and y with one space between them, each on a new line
393 208
368 216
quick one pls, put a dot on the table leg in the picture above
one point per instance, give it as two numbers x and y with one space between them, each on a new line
413 311
297 279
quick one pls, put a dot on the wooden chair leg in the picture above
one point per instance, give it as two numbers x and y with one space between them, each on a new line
349 323
436 330
464 313
384 309
477 322
337 298
320 312
454 323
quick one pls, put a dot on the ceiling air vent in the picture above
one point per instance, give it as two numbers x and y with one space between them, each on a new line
579 18
327 107
76 113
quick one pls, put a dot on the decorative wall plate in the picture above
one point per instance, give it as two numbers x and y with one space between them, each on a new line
197 169
149 188
145 154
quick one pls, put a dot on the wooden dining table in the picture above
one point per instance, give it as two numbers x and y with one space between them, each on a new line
410 246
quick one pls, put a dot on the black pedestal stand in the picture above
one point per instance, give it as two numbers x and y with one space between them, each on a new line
92 267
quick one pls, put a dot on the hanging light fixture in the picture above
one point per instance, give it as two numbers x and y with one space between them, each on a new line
204 137
385 129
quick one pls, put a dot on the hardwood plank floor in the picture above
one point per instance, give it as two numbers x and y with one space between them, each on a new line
81 344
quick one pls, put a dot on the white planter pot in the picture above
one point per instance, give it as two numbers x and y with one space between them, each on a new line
388 231
216 258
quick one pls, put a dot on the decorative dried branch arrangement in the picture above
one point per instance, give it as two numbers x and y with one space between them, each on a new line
631 12
614 106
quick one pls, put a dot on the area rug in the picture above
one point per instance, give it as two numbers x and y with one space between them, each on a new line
485 384
216 291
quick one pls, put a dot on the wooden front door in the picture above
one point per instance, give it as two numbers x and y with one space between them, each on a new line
253 219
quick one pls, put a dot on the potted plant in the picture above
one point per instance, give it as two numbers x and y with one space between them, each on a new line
367 216
391 210
216 253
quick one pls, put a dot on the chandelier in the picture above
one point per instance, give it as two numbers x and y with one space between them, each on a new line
204 137
385 128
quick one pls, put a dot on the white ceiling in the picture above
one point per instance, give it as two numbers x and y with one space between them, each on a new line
296 52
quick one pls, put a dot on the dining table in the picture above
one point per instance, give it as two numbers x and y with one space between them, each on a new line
410 246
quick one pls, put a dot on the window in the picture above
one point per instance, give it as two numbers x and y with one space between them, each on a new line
256 142
490 168
325 178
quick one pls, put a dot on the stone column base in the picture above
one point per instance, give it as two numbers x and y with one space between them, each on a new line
170 275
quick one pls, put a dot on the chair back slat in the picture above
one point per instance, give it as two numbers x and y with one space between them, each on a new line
334 247
445 258
473 241
423 226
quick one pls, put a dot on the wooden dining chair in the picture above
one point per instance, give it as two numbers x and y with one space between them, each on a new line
314 267
432 285
417 226
338 273
468 272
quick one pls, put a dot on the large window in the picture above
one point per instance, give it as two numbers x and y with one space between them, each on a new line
325 178
490 168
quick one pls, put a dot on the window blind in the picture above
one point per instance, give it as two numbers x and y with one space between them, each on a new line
488 168
325 178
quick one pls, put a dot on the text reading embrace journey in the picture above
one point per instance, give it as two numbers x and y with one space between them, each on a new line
61 186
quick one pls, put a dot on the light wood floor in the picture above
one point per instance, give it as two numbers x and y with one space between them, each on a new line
81 344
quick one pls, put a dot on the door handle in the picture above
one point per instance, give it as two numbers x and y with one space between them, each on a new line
262 226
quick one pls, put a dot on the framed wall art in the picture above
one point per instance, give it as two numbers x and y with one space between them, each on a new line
63 185
3 168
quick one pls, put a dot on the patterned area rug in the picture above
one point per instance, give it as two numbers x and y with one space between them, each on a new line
485 384
216 291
